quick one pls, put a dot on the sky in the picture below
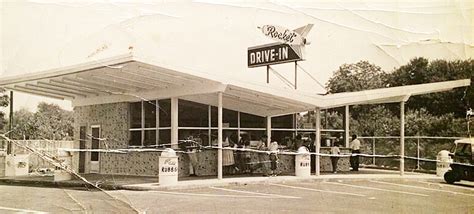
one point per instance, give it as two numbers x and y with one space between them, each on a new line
212 37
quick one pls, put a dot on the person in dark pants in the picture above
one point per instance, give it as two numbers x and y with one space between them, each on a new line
355 147
335 151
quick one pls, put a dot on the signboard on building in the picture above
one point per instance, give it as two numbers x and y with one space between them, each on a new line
271 54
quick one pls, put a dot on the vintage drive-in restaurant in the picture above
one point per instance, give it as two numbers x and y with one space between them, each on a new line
140 106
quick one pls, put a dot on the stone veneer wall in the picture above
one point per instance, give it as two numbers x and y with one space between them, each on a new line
114 123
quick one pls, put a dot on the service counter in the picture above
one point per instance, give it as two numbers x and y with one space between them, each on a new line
207 162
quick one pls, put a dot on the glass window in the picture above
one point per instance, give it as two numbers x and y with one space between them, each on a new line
251 121
135 138
229 118
192 114
285 121
136 115
150 138
165 112
283 137
231 134
164 136
150 113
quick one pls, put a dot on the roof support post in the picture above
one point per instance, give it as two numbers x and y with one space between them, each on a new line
219 135
10 126
346 126
269 130
317 141
174 122
402 138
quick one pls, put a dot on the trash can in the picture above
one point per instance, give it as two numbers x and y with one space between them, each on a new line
66 159
16 165
303 163
168 166
443 160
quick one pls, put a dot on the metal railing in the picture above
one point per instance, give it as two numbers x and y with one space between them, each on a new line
418 149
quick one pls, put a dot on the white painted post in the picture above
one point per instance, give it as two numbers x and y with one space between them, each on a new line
402 138
346 126
317 113
219 136
269 130
174 123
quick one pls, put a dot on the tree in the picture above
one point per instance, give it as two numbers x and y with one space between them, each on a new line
420 70
48 122
4 101
356 77
52 122
24 127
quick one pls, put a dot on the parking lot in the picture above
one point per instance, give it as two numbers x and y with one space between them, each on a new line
332 195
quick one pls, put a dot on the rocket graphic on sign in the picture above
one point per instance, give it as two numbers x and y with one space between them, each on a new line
295 38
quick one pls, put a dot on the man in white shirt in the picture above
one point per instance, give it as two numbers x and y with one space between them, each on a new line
355 146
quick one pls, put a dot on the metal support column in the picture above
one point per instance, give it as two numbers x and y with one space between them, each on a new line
418 152
269 130
296 74
10 126
373 151
174 122
268 74
219 136
402 138
346 126
317 113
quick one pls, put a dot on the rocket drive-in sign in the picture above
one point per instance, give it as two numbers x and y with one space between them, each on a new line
289 46
271 54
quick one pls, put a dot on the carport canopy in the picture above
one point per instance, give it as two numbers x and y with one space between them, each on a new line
127 78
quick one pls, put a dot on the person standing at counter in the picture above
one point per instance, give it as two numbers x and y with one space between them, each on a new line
243 157
262 157
335 151
355 147
228 155
273 148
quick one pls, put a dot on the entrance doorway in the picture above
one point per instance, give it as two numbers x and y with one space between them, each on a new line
95 145
82 145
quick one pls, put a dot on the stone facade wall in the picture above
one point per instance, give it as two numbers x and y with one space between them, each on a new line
113 120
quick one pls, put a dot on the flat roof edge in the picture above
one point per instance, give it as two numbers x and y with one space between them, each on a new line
71 69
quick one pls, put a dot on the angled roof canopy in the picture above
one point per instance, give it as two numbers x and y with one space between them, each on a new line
127 79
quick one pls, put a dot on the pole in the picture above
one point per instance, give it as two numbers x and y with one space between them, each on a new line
317 113
346 126
219 136
418 152
402 138
10 126
373 151
296 73
174 122
268 74
269 130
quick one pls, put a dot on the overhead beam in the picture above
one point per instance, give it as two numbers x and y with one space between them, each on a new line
68 87
52 89
112 82
29 91
102 86
151 75
152 94
173 75
54 93
79 86
129 78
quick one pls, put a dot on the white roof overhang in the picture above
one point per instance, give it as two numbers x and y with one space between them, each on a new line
129 79
389 95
